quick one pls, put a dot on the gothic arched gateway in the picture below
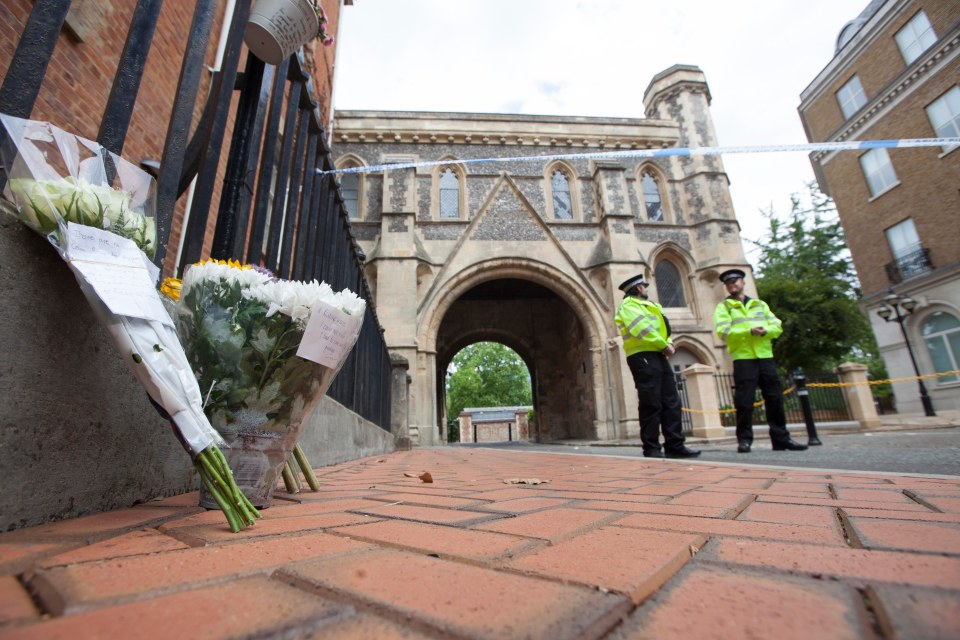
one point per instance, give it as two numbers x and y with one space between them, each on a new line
474 229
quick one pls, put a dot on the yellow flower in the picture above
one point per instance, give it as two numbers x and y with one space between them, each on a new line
171 288
233 264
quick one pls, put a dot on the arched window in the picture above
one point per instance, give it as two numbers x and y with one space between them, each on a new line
669 285
941 333
449 194
350 188
562 202
652 201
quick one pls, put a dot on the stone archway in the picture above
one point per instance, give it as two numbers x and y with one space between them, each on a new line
549 321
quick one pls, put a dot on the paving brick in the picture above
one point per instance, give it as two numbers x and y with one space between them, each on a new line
792 487
242 608
364 627
511 493
790 514
471 544
910 506
662 489
523 505
197 536
16 556
930 516
936 537
421 499
552 525
889 496
639 507
616 497
865 564
947 505
16 606
65 589
127 544
713 604
733 501
737 528
913 612
629 561
99 524
185 501
427 514
753 484
460 599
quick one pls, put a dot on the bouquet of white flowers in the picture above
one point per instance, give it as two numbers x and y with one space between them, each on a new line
265 352
97 210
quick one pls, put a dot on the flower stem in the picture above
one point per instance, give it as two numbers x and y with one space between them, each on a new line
219 482
305 467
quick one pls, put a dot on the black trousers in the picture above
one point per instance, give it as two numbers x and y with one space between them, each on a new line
659 401
747 374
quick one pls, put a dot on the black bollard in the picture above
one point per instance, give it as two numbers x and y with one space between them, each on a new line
800 380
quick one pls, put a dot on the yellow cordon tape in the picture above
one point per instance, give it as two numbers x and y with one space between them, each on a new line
822 385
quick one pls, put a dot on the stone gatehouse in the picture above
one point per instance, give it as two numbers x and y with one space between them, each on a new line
529 253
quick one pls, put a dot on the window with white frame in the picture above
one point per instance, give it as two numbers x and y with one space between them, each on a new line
915 37
878 170
905 247
449 194
562 202
851 97
941 334
944 114
350 188
652 201
669 285
903 238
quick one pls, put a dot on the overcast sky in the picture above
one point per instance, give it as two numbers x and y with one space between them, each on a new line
596 58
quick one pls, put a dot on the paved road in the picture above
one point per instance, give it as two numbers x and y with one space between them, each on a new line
929 451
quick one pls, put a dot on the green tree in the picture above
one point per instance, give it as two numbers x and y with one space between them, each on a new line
485 374
807 278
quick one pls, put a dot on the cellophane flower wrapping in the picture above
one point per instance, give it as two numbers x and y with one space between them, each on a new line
98 211
242 330
57 177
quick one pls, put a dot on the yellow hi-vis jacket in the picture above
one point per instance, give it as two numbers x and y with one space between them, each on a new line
733 320
641 325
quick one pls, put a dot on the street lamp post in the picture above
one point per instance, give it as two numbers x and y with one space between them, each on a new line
890 312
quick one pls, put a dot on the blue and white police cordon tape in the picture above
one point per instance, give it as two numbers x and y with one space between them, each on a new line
851 145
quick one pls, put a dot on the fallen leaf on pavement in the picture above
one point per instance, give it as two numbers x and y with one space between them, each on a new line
426 477
410 475
524 481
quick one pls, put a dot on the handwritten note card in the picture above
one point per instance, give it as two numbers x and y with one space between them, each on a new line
117 270
329 336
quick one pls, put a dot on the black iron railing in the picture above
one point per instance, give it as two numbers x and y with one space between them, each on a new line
909 265
274 209
828 403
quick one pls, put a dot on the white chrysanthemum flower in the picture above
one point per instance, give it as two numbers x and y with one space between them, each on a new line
351 303
217 271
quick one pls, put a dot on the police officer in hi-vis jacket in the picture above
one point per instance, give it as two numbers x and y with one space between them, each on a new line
748 327
647 343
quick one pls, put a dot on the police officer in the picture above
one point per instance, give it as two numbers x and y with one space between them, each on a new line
646 340
748 327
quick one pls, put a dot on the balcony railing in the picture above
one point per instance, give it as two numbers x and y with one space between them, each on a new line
909 265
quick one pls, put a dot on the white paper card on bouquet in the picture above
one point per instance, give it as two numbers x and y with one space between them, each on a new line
117 270
329 336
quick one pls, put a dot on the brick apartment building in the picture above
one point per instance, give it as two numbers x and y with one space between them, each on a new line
895 75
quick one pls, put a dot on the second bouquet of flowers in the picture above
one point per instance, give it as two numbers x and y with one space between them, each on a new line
264 351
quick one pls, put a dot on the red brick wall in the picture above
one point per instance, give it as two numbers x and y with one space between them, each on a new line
928 180
880 64
78 80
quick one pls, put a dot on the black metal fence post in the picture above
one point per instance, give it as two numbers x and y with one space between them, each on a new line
803 394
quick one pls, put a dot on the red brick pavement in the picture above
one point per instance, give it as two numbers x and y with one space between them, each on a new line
606 547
